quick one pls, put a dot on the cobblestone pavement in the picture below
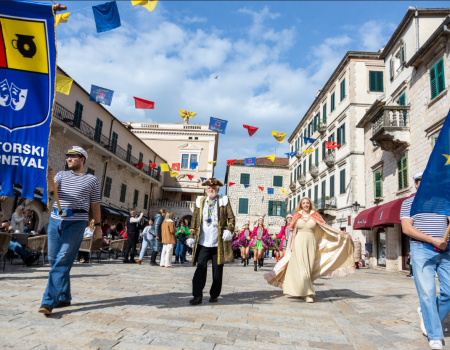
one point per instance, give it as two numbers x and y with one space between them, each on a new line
124 306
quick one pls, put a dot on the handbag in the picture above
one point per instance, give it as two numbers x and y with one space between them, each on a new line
182 238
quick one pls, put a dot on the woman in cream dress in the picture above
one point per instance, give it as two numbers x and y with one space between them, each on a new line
314 250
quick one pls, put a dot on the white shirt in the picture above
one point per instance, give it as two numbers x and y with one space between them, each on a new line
209 235
88 232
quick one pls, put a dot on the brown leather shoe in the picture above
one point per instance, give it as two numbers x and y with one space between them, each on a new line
139 261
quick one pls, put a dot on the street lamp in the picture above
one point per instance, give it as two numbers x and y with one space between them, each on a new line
356 206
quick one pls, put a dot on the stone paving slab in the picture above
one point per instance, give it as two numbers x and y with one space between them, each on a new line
123 306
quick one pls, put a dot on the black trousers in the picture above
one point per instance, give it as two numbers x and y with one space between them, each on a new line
198 282
132 241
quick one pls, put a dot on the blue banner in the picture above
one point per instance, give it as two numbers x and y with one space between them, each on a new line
250 161
27 88
101 95
270 190
433 194
106 16
218 125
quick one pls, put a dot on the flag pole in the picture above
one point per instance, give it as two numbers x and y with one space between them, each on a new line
446 234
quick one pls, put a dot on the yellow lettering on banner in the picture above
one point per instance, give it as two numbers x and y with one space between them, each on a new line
25 44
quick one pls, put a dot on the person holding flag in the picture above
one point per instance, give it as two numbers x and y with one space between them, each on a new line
424 219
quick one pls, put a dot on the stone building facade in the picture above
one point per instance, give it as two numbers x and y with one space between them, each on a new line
113 154
333 179
400 130
181 143
247 188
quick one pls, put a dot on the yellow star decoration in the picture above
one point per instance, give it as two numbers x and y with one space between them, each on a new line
448 159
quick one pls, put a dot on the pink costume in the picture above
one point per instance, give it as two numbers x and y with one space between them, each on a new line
284 238
244 233
255 241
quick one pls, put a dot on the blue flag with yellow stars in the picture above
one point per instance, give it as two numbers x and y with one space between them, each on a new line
433 194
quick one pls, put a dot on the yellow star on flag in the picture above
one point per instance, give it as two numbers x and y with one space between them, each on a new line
271 157
448 159
308 151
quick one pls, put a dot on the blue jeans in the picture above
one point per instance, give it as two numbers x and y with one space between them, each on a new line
17 248
64 239
180 252
425 264
145 244
266 254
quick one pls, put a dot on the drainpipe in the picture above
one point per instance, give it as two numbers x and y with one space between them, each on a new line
417 29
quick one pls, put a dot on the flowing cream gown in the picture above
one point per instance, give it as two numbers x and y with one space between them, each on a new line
298 281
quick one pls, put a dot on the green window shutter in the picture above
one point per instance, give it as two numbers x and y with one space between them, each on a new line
378 184
402 53
136 197
270 209
316 193
291 176
316 156
294 205
331 186
440 76
78 114
283 209
98 130
342 133
338 131
380 81
243 206
310 161
342 89
278 181
324 186
245 179
324 113
107 190
372 82
114 142
402 100
129 148
145 201
376 81
342 181
324 150
304 167
123 192
141 157
332 102
403 173
304 194
309 193
433 82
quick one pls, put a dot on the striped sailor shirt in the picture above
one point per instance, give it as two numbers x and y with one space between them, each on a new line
431 224
76 191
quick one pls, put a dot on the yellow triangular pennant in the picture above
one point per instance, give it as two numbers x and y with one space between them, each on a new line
279 136
164 167
62 18
149 5
173 174
63 84
308 151
212 162
271 157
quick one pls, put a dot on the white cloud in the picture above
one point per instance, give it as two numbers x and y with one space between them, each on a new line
195 19
174 66
375 34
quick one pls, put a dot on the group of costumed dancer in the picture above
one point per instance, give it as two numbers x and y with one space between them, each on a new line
306 249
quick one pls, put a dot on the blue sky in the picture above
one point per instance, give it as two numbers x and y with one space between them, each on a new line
271 58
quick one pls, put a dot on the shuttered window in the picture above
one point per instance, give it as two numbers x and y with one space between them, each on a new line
146 201
331 137
317 156
324 113
278 181
136 197
331 186
90 171
107 190
114 142
245 179
98 130
310 161
342 181
342 89
78 114
129 147
402 54
304 167
316 193
378 184
402 100
340 135
299 169
309 193
123 192
243 206
332 102
277 208
437 78
141 157
376 81
403 172
324 150
324 188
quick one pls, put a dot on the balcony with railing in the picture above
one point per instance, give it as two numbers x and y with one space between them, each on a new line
171 204
325 205
68 118
390 128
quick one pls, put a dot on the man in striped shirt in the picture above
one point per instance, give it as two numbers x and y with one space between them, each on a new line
427 231
77 192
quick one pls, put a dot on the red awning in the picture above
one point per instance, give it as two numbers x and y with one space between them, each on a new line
363 220
389 214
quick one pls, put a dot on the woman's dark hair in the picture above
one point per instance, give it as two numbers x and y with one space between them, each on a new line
182 223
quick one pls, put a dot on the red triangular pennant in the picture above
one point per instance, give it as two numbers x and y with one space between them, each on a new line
139 165
231 161
153 165
261 188
190 177
140 103
231 184
251 129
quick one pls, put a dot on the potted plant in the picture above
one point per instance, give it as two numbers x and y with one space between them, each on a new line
327 201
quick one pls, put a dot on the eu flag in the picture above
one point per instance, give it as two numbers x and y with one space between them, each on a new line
433 195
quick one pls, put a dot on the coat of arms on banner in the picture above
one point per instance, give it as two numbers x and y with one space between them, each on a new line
25 99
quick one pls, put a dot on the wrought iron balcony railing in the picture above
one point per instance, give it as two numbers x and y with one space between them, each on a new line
91 133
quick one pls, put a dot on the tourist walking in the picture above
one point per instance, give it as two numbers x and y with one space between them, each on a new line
77 191
210 236
168 239
244 238
148 237
157 244
180 251
427 231
256 243
132 224
284 237
315 249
